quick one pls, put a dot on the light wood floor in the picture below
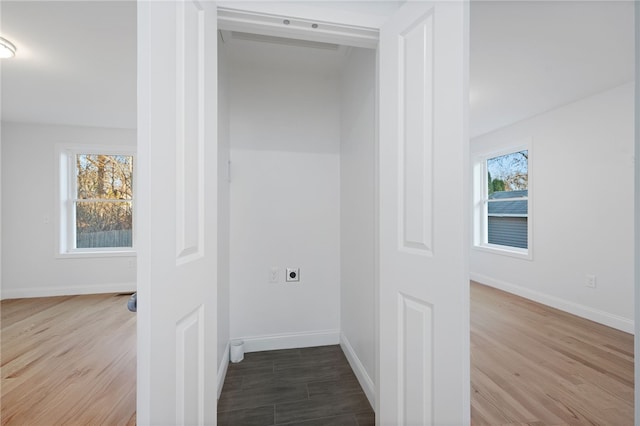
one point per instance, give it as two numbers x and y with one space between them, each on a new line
534 365
71 360
68 360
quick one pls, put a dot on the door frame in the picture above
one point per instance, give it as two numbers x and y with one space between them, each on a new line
298 28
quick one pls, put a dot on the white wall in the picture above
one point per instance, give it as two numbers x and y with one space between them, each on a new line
637 214
285 133
223 213
29 175
1 192
582 199
357 214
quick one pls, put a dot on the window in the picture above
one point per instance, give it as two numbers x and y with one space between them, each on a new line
502 186
97 201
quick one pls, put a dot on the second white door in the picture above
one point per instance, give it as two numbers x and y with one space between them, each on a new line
423 374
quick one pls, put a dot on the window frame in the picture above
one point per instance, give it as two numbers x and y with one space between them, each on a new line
66 197
481 202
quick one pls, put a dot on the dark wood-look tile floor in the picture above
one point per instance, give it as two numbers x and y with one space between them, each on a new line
307 387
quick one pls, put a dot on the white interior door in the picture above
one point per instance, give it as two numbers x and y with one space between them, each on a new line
176 220
423 290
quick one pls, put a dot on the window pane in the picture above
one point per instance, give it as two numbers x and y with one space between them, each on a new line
104 176
103 224
508 231
509 173
508 206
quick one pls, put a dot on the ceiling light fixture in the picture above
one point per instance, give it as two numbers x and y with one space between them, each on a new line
7 49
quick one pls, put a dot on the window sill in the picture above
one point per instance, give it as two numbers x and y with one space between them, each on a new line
95 254
524 254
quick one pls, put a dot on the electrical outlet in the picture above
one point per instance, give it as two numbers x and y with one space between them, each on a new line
273 274
590 281
293 274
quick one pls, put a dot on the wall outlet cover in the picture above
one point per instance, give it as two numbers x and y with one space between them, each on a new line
293 274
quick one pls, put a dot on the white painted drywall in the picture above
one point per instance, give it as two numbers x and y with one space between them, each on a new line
223 210
273 109
637 214
582 200
285 197
357 209
30 267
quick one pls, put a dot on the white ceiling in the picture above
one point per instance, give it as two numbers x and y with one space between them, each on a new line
528 57
75 64
292 56
76 61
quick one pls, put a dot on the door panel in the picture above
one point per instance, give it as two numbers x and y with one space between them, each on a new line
177 217
415 363
423 291
414 132
189 137
190 368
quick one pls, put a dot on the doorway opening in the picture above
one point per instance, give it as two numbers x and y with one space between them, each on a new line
297 131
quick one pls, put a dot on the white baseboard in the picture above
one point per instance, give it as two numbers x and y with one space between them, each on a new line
20 293
290 340
361 373
222 369
601 317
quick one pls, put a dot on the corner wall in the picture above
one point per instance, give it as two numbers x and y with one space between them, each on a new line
223 215
30 267
357 216
582 200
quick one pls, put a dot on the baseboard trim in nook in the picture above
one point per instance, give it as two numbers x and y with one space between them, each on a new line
361 373
222 369
21 293
601 317
290 340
